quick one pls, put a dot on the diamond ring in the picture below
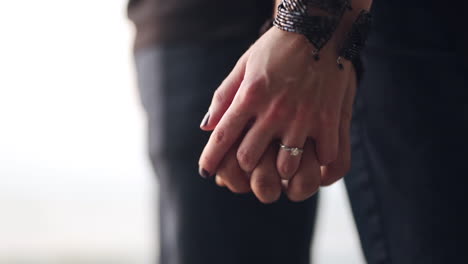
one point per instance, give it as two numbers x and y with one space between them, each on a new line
293 151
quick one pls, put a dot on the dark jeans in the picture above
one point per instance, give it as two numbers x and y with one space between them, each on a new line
200 222
405 186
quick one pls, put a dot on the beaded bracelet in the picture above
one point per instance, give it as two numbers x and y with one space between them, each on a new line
319 30
355 59
293 16
356 39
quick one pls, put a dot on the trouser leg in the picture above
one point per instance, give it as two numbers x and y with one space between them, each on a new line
410 148
200 222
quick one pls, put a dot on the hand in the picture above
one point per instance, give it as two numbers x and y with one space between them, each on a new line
265 182
288 96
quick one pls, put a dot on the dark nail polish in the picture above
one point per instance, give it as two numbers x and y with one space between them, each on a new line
205 120
204 173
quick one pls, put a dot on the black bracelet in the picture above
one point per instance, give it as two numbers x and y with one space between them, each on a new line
356 39
357 61
293 16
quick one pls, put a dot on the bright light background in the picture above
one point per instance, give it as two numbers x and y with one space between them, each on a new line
75 184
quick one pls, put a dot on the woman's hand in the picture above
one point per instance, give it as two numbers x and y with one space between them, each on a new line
264 180
278 91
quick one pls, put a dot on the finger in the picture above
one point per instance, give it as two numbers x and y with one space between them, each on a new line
337 169
288 160
221 140
219 181
223 96
306 181
230 174
329 121
327 141
253 145
265 181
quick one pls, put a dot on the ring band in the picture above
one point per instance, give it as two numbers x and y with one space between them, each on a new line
294 151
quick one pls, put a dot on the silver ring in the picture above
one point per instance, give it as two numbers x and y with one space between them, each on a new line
293 151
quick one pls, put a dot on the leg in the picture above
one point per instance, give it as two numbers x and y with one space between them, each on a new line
200 222
409 154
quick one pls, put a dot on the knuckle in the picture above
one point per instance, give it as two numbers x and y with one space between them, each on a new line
262 185
219 136
219 96
255 91
266 190
245 159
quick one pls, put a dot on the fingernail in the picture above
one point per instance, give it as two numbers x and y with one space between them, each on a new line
204 173
205 120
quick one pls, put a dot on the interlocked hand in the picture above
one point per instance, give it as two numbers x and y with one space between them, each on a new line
277 93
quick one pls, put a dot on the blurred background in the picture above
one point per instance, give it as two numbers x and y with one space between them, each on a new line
75 184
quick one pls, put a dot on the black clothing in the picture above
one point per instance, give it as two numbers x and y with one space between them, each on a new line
196 20
201 223
409 136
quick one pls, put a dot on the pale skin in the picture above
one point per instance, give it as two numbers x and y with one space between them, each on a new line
278 93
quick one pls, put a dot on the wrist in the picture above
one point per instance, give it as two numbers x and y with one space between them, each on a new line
317 20
347 21
341 27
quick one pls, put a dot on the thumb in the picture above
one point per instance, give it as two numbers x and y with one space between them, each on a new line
223 96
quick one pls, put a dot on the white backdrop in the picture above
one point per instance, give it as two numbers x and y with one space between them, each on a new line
75 185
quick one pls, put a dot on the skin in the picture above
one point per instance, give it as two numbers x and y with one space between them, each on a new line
265 182
281 94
